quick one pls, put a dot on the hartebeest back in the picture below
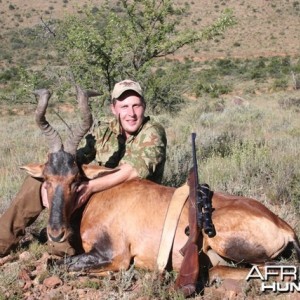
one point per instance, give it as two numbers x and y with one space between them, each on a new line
125 223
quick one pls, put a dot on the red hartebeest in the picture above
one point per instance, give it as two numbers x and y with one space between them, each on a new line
125 223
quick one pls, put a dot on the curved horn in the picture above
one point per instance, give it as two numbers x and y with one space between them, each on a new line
75 137
52 136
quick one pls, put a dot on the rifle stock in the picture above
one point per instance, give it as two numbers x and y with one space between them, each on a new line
189 271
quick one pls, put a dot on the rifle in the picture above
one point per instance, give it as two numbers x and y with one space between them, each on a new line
200 210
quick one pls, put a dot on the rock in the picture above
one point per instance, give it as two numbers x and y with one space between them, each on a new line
25 256
52 282
232 285
6 259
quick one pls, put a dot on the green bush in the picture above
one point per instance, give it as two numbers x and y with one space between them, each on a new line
17 43
165 87
9 74
227 66
280 84
212 89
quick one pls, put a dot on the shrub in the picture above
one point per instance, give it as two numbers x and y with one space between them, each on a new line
290 103
9 74
17 43
226 66
213 89
279 84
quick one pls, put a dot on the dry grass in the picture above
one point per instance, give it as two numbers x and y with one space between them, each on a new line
262 140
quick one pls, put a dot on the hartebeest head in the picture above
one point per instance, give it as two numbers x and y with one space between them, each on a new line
61 173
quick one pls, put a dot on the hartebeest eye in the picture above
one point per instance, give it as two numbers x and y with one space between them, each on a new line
74 185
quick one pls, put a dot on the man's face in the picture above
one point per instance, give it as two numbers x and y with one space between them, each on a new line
129 108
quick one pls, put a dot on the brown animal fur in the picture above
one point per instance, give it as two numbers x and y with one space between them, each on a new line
133 214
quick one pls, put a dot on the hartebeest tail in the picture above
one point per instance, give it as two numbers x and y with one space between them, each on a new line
296 245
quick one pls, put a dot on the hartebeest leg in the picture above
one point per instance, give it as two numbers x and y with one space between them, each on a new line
87 261
98 257
94 262
219 273
216 259
102 257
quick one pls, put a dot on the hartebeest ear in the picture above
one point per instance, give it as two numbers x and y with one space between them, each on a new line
94 171
34 170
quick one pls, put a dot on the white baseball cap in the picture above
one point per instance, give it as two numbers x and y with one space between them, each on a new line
126 85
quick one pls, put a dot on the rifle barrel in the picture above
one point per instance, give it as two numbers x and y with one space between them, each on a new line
203 198
194 157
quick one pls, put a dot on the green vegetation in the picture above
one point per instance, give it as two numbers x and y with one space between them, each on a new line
106 44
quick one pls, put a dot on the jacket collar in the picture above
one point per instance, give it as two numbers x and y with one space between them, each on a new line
116 127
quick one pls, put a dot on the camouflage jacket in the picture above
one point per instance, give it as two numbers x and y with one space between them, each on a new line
145 150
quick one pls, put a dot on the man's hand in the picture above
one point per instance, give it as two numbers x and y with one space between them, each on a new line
84 190
87 188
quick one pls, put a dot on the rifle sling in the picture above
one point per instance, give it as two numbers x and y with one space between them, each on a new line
171 220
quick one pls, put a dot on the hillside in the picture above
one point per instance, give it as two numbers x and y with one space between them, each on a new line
264 28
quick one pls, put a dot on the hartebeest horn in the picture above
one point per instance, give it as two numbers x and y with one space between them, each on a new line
75 137
52 136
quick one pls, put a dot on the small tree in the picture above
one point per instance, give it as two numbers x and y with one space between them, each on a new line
109 44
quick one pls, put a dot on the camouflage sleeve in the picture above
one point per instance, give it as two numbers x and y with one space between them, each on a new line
148 152
87 153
